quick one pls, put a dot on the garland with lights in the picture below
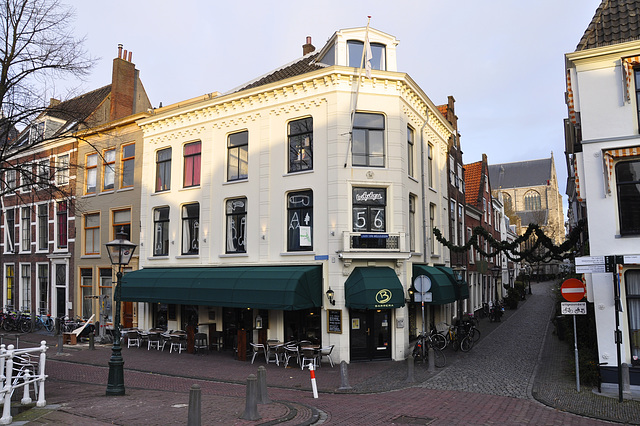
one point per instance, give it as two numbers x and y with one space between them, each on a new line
513 249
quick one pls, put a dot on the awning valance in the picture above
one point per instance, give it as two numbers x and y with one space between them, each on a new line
442 287
258 287
461 287
373 288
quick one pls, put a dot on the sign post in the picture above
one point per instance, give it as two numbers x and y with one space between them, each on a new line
422 283
573 290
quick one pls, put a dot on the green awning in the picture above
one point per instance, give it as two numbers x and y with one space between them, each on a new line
461 287
373 288
442 286
260 287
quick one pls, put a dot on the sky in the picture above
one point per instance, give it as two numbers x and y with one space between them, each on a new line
502 60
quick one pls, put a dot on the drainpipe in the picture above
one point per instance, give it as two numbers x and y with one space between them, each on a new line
424 192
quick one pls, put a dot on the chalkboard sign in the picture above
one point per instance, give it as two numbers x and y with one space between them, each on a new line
334 321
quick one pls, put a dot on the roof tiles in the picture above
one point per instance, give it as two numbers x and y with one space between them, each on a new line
615 21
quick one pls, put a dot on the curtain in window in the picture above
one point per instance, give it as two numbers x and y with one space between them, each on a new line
192 164
632 281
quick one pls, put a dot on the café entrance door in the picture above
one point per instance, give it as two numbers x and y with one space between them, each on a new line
370 334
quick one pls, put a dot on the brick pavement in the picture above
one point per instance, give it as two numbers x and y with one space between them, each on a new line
157 385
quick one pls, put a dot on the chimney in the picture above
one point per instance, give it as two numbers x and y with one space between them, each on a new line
123 85
308 47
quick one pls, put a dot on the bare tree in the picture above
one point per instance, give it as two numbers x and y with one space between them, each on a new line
37 49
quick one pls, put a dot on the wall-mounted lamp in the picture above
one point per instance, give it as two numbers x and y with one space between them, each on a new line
410 292
258 322
330 295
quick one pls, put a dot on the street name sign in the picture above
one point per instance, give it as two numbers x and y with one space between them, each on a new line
590 260
573 290
573 308
591 269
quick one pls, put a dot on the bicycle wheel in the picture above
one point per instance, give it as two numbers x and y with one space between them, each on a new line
466 344
475 334
439 341
7 325
417 350
48 324
455 343
25 326
440 360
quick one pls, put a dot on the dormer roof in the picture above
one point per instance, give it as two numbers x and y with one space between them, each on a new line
615 21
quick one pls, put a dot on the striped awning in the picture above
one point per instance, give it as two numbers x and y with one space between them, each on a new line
610 156
628 64
570 105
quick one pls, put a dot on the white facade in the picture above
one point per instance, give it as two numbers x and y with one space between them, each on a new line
609 121
328 96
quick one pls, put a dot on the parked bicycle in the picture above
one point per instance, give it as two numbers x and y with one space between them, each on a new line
458 337
421 351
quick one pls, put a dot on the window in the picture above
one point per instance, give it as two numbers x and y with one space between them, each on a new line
25 229
532 201
452 171
238 156
91 173
161 231
109 169
236 211
369 209
192 164
128 164
460 242
86 288
637 80
432 224
632 284
25 287
412 222
163 170
459 181
26 178
300 135
43 226
410 151
106 279
471 248
190 228
627 184
506 200
300 221
43 286
9 245
368 140
61 221
43 173
122 223
62 172
354 50
9 277
10 176
430 165
484 209
92 233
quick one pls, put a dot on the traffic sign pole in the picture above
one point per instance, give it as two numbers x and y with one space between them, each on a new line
575 345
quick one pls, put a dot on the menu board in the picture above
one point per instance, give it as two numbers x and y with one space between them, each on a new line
334 321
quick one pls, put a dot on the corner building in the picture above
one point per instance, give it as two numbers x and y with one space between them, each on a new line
262 218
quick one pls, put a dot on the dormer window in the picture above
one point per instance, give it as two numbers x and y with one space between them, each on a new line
354 54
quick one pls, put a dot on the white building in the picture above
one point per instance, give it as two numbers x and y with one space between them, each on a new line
260 215
603 146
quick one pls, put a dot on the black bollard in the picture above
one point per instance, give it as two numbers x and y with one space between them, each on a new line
251 407
263 398
344 376
195 398
410 369
92 341
432 360
59 344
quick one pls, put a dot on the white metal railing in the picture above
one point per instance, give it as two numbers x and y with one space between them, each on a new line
19 368
369 241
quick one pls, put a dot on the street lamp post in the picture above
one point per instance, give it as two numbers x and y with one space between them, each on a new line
120 252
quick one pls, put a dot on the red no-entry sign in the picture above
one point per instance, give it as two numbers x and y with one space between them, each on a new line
573 290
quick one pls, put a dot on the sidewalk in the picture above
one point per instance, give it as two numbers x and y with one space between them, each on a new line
158 383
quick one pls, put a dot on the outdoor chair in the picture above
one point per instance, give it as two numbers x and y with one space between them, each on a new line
154 341
291 351
216 340
133 338
178 343
310 355
326 351
257 348
200 342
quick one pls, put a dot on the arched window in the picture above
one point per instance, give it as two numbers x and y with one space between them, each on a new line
506 201
532 201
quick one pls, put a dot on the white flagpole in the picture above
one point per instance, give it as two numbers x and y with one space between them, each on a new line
355 104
